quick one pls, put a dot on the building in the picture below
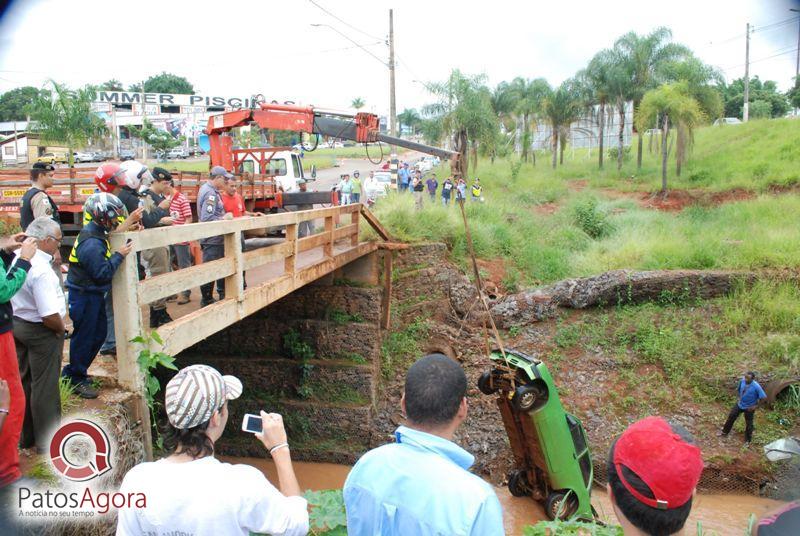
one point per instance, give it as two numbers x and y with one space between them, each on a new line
14 150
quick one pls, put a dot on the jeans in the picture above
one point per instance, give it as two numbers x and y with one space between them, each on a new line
183 257
433 196
212 252
88 313
445 201
403 187
345 199
748 421
39 352
354 197
111 340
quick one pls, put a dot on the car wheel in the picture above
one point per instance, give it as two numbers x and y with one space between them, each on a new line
558 505
485 383
525 397
518 483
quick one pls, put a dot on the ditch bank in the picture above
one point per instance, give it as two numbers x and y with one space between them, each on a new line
320 357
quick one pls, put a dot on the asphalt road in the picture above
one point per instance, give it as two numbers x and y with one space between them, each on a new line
328 178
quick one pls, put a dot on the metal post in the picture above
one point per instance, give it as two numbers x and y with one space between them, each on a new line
797 64
144 115
392 104
746 113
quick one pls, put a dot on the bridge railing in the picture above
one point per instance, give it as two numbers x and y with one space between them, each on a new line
336 244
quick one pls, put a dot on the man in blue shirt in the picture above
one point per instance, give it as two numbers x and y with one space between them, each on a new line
750 395
404 177
421 485
210 208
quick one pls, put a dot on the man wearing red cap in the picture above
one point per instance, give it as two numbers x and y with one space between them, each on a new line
653 470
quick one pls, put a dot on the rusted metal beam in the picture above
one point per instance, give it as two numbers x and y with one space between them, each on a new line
375 224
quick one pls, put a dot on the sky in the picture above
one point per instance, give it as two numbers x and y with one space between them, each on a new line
241 48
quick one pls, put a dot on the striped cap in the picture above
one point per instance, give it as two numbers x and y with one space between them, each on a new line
196 392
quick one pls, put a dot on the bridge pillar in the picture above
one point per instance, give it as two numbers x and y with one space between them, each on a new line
364 270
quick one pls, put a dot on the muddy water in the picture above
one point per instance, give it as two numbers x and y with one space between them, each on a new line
723 514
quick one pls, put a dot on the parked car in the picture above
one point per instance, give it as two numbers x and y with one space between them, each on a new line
385 178
127 154
82 157
99 156
53 158
379 188
552 463
177 152
433 160
728 121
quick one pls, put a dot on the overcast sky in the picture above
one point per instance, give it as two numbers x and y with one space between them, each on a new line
247 47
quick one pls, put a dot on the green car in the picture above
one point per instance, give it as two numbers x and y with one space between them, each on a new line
551 454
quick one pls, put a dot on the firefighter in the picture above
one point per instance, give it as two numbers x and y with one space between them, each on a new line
477 190
91 267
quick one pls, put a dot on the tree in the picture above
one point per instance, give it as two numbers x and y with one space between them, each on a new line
14 101
432 131
794 94
135 88
112 85
168 83
733 95
598 75
646 54
760 109
465 108
671 105
619 86
561 107
526 100
357 103
62 115
410 118
160 140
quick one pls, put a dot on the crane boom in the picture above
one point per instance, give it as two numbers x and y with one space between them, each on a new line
362 127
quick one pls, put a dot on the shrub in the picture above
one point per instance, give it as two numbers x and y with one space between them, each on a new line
594 222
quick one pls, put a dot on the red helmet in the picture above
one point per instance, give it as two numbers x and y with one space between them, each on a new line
109 176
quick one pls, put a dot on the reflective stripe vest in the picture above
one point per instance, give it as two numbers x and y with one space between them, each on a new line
476 190
77 273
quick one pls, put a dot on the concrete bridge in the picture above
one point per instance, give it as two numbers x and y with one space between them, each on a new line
274 272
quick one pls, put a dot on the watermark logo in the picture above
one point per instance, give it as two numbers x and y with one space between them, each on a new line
80 450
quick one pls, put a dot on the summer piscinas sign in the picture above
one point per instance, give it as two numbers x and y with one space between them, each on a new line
170 99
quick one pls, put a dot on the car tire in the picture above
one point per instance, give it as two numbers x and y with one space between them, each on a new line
485 383
554 503
518 483
525 397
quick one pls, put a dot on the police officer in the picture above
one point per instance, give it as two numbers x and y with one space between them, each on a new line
91 267
36 203
210 208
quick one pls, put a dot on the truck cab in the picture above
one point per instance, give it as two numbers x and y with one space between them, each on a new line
285 166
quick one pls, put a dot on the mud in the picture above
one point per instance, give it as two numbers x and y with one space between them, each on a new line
725 514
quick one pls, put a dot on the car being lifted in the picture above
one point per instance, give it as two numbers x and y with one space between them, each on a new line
551 454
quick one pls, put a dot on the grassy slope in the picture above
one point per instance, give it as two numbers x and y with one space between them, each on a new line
532 222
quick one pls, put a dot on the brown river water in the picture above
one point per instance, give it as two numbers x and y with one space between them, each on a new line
723 514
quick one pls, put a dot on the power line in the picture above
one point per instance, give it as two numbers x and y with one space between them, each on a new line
780 52
345 22
767 27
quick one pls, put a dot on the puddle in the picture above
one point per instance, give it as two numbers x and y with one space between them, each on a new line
722 514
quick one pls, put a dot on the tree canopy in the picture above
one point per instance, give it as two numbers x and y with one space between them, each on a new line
767 91
13 103
167 83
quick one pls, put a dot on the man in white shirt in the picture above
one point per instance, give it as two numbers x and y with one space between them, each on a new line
191 492
39 311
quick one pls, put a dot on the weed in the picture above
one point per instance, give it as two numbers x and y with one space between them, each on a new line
592 221
567 336
401 347
296 347
514 331
337 316
571 528
149 360
66 393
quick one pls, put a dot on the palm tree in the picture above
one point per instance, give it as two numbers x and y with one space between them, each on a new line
598 74
525 98
357 103
646 54
618 84
465 108
560 107
408 117
671 104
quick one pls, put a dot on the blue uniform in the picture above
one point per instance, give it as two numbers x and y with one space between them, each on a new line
419 485
749 395
210 208
404 177
92 266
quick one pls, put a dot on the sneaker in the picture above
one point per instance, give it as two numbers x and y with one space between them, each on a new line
172 298
85 390
205 302
746 445
721 434
183 299
110 352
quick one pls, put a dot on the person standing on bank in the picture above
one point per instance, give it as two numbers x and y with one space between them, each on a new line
355 197
447 190
14 412
210 208
156 201
417 189
432 185
181 212
750 396
36 203
191 491
91 267
39 311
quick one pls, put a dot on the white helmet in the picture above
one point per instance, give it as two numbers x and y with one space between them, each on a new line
136 173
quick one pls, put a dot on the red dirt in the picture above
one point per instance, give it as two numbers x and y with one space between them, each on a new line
493 272
677 200
546 208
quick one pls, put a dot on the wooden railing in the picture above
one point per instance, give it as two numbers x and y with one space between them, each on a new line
304 260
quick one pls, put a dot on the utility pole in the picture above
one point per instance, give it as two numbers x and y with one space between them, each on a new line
392 106
746 113
797 65
144 116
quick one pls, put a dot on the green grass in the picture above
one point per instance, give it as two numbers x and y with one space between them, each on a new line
400 348
752 156
697 348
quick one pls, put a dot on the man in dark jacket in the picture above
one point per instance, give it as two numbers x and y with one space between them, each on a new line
91 267
156 201
36 203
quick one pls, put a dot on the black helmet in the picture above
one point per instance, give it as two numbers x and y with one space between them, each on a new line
106 210
356 173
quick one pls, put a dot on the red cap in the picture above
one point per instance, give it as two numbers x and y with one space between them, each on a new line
669 465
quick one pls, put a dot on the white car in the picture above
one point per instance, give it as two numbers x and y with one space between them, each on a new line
178 152
728 121
82 157
424 166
